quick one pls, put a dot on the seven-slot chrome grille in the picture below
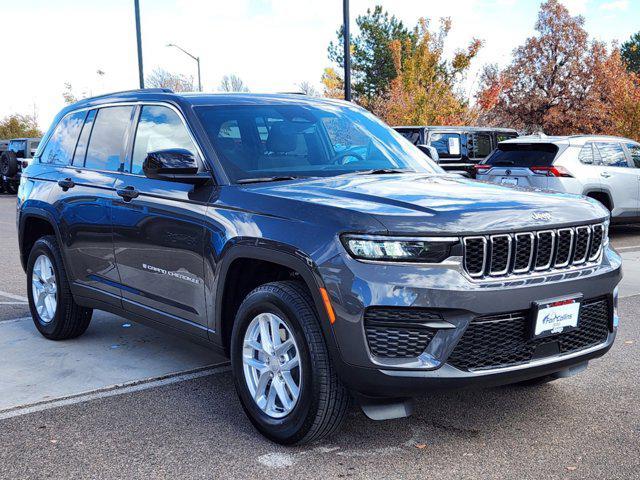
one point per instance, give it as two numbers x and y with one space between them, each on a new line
531 252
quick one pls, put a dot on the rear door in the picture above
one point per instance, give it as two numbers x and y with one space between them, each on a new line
83 198
619 178
159 229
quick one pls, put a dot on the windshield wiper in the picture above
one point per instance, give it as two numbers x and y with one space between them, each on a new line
266 179
382 171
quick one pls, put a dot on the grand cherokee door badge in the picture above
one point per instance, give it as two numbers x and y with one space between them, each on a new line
174 274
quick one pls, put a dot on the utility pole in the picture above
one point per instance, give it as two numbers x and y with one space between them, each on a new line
347 50
197 59
136 4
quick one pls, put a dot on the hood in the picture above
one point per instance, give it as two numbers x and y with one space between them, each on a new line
441 204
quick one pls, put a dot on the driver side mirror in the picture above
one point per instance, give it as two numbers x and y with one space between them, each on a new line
174 165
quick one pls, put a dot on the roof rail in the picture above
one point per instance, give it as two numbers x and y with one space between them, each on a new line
138 90
142 90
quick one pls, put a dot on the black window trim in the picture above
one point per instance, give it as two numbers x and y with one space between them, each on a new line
132 126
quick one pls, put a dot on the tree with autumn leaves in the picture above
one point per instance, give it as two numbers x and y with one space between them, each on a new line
402 75
558 82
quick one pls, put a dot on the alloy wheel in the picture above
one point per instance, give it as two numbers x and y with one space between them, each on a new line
271 365
44 288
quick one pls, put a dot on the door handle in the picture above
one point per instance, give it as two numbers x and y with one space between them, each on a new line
127 193
605 174
66 184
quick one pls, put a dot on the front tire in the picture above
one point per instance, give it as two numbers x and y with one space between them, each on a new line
282 370
55 313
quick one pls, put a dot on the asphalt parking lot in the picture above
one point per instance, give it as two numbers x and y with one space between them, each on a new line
125 401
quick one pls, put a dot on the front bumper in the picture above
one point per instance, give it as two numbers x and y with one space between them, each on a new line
355 285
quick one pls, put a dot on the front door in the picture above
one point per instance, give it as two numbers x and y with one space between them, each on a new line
159 230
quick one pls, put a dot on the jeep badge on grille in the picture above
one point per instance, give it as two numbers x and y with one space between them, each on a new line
541 216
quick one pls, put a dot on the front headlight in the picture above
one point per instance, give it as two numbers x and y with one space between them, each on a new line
399 249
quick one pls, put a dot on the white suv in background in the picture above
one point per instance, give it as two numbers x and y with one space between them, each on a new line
601 167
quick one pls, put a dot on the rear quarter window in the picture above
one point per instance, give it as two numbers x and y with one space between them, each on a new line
60 147
523 155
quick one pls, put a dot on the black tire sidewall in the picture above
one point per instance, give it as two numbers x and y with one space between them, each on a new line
51 328
9 164
292 427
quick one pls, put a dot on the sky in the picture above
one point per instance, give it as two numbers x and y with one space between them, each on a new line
273 45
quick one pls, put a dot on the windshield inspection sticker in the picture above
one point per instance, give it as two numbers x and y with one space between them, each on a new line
454 146
178 275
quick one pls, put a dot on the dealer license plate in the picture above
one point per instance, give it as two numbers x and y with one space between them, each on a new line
509 181
556 316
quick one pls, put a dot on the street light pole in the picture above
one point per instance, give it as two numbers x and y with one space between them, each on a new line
197 59
347 50
136 5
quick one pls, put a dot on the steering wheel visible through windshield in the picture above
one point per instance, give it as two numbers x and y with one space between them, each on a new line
306 139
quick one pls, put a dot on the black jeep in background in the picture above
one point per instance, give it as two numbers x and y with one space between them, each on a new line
16 156
459 148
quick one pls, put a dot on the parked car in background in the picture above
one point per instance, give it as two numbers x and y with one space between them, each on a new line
601 167
459 148
14 158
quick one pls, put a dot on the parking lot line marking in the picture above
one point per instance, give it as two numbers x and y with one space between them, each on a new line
14 303
631 247
13 296
114 390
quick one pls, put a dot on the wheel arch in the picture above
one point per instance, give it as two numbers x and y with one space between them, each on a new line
297 263
602 195
35 223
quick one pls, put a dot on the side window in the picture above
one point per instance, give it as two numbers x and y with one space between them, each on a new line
159 128
106 145
634 150
81 148
60 146
481 145
586 155
447 144
612 154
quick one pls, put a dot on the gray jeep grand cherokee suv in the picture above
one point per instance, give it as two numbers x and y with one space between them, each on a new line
313 245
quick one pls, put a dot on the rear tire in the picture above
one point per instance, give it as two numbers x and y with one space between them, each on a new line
55 313
8 164
322 401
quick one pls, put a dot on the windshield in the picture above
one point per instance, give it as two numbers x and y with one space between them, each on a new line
301 140
523 155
